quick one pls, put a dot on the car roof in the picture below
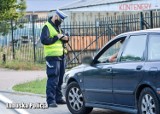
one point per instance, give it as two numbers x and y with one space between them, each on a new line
155 30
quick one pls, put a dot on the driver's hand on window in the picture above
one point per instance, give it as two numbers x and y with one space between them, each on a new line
113 58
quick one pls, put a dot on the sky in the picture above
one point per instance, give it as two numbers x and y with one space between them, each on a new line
46 5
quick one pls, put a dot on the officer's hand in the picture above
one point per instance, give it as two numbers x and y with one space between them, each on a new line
65 38
60 36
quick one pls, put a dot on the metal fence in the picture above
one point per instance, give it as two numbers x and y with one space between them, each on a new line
86 38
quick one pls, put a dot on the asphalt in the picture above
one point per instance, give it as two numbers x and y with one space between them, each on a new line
4 111
6 107
61 109
8 78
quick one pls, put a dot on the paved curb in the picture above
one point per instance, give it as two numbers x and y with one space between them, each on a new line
23 93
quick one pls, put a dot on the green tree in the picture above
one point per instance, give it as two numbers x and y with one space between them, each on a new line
10 10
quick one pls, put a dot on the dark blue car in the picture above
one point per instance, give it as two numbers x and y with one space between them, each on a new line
131 83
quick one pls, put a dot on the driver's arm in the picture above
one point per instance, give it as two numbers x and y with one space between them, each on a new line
113 57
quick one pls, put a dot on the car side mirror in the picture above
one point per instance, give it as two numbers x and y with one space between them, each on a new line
87 60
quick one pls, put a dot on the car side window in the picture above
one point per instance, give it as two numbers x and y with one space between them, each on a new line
154 47
111 51
134 49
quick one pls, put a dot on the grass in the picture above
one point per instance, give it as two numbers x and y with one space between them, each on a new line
23 58
38 87
22 65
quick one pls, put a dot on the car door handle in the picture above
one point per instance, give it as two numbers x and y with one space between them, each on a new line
109 69
139 67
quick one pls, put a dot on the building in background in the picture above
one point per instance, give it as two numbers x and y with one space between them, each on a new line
89 10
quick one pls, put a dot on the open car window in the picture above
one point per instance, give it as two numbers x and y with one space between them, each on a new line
107 52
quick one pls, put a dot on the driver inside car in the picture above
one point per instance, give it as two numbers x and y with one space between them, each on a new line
113 57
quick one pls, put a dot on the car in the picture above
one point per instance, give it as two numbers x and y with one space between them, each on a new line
130 84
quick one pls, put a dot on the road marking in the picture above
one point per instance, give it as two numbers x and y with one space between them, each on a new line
5 100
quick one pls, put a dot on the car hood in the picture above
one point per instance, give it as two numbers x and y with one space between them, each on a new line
77 69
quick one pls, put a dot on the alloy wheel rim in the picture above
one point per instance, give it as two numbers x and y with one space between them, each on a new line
75 98
148 105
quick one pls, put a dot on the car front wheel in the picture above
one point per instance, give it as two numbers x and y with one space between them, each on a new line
148 102
75 100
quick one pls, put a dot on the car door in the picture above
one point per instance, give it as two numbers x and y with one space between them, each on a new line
98 77
128 72
152 65
98 84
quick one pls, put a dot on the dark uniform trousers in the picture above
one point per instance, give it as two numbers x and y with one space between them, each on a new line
55 71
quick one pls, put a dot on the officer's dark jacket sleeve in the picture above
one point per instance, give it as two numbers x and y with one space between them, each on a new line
45 40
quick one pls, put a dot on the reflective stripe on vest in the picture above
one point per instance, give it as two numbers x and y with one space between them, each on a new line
55 49
65 51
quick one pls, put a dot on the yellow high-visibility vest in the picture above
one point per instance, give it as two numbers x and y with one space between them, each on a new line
65 51
55 49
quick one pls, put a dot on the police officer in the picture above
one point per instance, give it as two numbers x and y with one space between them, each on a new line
52 38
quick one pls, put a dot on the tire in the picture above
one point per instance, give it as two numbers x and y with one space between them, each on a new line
148 102
75 100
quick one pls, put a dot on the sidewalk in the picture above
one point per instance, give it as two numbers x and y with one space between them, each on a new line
8 78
